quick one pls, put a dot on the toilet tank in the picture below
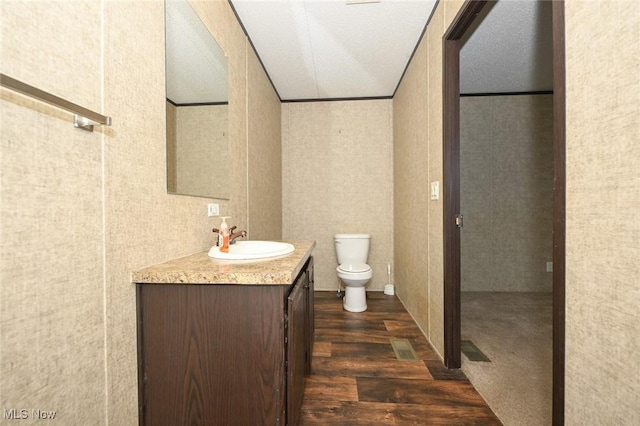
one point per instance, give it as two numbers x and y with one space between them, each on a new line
352 248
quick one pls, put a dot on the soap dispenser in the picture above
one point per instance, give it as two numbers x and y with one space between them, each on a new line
223 235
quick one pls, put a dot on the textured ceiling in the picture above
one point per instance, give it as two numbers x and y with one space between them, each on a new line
510 50
316 49
196 67
328 49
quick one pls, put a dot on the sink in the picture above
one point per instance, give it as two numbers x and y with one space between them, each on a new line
247 250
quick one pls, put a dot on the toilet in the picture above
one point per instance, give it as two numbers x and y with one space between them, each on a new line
352 251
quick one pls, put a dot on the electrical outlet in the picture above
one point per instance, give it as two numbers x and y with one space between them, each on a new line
213 209
549 266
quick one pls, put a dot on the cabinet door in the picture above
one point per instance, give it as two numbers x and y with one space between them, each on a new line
310 315
211 354
296 349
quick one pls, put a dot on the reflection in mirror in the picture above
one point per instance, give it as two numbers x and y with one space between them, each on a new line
198 160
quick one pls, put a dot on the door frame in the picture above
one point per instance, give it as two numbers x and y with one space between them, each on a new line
452 43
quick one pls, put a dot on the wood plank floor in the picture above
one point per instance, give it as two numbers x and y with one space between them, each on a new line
357 380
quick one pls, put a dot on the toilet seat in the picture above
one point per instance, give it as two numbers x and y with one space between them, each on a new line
354 276
352 273
353 268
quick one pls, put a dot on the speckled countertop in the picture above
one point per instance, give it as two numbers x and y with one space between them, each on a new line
199 268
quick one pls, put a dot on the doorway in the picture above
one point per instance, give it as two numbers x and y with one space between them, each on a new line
463 23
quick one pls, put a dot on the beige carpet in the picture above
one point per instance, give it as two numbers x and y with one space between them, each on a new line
514 330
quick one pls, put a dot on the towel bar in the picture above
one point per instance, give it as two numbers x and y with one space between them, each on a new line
84 118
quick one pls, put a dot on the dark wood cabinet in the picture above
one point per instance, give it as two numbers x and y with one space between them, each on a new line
310 314
224 354
296 349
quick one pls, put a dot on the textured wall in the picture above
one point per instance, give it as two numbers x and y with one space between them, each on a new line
411 201
417 162
172 158
506 192
603 243
603 199
434 33
81 210
51 248
202 151
338 178
264 156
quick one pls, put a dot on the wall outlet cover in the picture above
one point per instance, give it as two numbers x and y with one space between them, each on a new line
213 209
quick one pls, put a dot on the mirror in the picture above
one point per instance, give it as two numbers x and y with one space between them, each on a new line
198 161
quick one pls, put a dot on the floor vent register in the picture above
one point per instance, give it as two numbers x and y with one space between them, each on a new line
403 350
472 352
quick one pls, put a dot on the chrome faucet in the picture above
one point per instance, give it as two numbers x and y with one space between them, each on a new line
232 235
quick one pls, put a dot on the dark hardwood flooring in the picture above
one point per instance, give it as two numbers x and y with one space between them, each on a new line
356 378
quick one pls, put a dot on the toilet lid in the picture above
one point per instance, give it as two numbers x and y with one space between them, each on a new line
354 267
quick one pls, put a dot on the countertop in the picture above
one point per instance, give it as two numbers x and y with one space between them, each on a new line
199 268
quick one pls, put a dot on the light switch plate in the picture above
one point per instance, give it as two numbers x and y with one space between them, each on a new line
435 190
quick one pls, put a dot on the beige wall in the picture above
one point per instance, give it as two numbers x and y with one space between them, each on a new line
603 243
417 154
172 158
603 187
202 150
81 210
506 192
410 199
338 178
264 155
51 219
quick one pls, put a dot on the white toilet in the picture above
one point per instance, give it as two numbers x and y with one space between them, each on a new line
352 251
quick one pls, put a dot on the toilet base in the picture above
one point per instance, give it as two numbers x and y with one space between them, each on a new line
355 299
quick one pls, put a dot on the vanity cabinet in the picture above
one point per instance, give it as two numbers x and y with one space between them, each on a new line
224 354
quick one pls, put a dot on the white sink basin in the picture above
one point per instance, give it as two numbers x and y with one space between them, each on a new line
245 250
